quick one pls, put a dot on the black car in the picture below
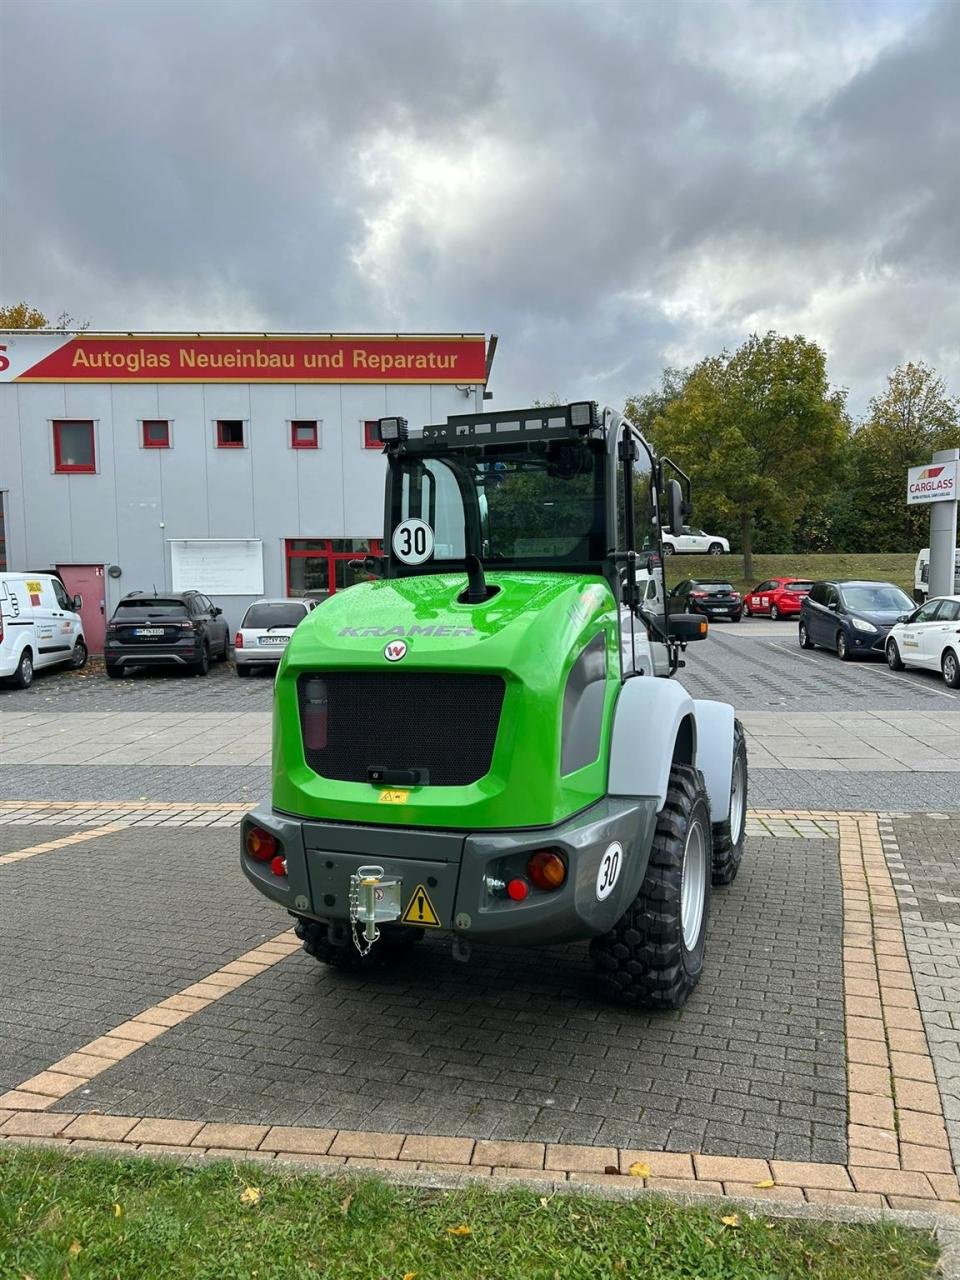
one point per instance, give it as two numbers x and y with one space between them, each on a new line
181 629
851 617
714 597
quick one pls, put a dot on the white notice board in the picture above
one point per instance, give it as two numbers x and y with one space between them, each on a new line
217 566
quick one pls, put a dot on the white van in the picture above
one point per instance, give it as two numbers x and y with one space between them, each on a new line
39 626
921 575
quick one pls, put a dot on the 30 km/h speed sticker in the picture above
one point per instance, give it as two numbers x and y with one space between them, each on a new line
611 864
413 541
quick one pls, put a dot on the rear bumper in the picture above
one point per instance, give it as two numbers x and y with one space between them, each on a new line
149 656
459 871
258 657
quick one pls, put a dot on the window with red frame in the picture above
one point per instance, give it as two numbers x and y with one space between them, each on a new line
156 434
321 566
371 435
304 435
229 433
74 448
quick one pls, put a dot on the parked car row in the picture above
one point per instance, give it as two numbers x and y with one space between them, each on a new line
40 626
877 619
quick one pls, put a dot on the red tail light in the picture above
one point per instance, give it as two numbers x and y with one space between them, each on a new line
238 640
278 865
517 889
547 869
698 595
261 845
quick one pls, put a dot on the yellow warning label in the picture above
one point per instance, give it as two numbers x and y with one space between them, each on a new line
394 797
34 587
420 910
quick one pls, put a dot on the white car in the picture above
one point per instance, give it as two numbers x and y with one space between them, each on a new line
265 631
39 626
929 639
694 542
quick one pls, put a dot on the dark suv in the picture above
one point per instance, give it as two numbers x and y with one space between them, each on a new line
851 617
182 629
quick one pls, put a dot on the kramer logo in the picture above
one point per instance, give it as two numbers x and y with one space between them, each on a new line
383 632
395 650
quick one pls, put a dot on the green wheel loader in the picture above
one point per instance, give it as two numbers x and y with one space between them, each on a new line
482 739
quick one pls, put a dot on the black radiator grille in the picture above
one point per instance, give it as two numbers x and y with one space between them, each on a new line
443 723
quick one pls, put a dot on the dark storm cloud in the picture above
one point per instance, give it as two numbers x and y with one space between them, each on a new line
612 186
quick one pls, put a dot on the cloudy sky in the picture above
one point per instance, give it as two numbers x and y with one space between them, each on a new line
610 186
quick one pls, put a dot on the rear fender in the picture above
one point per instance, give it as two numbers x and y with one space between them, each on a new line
654 725
715 753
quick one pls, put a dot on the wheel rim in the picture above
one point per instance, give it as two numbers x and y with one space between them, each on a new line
737 796
950 669
79 655
693 885
716 551
27 665
803 635
841 644
891 654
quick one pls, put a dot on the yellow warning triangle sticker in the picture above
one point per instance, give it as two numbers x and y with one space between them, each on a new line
420 910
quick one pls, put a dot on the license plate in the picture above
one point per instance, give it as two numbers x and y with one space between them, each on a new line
148 631
272 639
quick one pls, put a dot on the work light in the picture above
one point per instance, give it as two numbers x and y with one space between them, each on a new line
392 429
583 414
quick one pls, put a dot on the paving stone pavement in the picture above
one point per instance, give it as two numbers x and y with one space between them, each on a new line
515 1045
91 935
923 855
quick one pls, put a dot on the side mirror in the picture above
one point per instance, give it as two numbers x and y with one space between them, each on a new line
905 617
686 626
216 611
833 605
76 603
675 506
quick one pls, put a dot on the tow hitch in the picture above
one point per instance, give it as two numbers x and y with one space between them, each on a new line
373 900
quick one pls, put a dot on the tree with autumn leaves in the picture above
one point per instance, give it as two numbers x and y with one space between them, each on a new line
774 456
21 315
756 429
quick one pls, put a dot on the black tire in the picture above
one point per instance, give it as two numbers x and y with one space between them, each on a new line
714 549
749 611
950 666
728 836
78 659
804 637
843 648
894 661
774 613
225 653
395 943
243 670
736 617
22 678
644 961
113 671
202 665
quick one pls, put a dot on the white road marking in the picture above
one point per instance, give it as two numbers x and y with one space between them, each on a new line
890 675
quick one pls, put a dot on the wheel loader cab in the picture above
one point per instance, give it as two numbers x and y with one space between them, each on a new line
471 742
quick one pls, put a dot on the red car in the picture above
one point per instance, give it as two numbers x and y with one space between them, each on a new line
779 597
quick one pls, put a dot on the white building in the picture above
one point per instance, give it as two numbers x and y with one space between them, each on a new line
238 465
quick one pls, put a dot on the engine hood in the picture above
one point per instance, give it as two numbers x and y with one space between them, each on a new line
544 610
531 632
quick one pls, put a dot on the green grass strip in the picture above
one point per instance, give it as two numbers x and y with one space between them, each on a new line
93 1218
